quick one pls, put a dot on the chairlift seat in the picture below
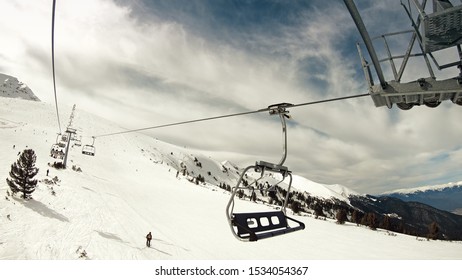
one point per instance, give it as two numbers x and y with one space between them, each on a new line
88 150
260 225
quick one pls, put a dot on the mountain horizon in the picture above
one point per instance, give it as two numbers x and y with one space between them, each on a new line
446 197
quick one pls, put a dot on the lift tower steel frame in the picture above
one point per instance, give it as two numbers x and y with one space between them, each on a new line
435 31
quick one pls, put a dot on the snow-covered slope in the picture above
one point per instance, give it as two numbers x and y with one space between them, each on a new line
447 197
11 87
425 188
314 189
130 188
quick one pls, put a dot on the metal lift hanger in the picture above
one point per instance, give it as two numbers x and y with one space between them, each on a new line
253 226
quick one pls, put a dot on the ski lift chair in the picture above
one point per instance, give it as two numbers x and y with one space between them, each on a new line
89 150
253 226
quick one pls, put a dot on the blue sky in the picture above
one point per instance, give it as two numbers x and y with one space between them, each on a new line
146 63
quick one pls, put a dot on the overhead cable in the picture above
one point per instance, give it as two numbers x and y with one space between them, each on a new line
231 115
53 62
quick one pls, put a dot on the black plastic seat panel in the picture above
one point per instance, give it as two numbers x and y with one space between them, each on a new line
260 225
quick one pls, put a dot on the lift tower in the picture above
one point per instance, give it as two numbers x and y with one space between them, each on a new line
433 30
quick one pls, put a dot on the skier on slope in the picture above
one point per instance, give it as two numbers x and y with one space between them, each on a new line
148 239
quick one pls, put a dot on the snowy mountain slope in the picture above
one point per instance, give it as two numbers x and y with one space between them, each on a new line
336 191
130 187
194 163
445 196
226 172
11 87
425 188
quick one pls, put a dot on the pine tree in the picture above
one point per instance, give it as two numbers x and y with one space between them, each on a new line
371 220
386 223
318 211
355 217
341 216
295 206
433 230
22 174
253 197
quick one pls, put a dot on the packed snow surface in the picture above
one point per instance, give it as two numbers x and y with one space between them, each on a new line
130 187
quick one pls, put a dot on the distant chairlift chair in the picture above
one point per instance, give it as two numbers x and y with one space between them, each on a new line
253 226
89 149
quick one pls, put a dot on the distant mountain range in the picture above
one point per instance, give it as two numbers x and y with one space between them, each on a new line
11 87
411 217
446 197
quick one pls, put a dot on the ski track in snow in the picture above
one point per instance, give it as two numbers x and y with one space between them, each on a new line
5 124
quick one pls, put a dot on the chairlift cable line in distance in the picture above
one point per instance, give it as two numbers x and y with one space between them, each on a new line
231 115
53 62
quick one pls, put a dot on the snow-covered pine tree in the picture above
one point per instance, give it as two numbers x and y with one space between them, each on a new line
22 173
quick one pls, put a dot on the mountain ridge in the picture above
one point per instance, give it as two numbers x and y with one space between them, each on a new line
446 197
11 87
